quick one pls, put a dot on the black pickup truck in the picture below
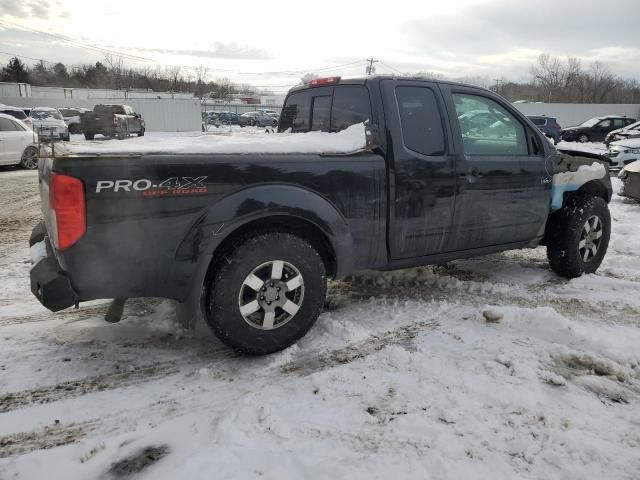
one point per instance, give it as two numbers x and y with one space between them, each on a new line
111 121
249 240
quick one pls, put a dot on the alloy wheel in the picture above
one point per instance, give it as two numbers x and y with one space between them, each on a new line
590 238
271 295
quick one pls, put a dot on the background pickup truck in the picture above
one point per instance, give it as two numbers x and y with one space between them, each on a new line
111 121
249 240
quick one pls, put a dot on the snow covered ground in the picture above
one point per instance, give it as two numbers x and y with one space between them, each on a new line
402 377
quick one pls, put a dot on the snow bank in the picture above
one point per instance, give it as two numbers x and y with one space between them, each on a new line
346 141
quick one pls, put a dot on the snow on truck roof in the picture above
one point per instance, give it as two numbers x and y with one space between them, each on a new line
349 140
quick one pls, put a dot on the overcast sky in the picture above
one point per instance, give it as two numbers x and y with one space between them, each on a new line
273 43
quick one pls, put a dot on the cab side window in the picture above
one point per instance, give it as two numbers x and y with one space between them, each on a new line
421 122
487 128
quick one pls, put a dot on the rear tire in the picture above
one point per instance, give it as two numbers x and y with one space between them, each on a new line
141 132
266 293
122 132
578 236
29 158
583 138
89 135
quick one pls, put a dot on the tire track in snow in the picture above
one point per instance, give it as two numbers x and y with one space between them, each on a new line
58 434
109 381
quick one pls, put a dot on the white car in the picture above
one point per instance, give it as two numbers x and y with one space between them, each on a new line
17 143
49 124
16 113
624 152
71 117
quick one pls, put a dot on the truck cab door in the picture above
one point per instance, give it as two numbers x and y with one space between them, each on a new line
503 183
422 173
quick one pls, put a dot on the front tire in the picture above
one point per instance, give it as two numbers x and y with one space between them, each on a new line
89 135
578 236
266 293
29 158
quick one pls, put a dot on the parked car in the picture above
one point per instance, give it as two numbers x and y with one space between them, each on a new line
17 143
226 118
630 176
260 119
631 131
268 111
248 240
112 121
71 117
18 113
595 129
623 152
549 126
49 124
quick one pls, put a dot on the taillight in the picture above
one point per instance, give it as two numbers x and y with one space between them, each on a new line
324 81
66 200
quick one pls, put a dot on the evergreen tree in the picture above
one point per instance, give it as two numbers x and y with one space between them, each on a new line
15 71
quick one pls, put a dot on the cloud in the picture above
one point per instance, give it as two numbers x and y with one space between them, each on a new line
216 50
27 9
507 34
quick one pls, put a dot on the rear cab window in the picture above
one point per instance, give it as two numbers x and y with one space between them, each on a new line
326 108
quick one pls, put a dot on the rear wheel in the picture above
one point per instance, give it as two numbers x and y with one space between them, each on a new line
583 138
266 294
89 135
29 158
578 236
141 132
123 131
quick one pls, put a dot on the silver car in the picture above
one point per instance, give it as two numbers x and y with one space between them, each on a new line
630 176
623 152
49 124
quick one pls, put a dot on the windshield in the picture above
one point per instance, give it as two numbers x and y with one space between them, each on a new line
45 114
590 123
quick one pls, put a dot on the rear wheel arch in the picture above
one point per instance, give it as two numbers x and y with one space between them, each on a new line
296 226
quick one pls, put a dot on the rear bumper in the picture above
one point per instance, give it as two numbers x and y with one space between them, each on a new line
50 285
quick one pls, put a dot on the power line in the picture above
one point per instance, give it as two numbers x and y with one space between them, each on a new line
74 43
391 68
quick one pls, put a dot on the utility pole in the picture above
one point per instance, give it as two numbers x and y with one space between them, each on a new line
370 68
499 82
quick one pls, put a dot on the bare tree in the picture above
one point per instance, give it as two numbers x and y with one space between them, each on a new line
222 89
201 78
173 75
116 69
602 81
